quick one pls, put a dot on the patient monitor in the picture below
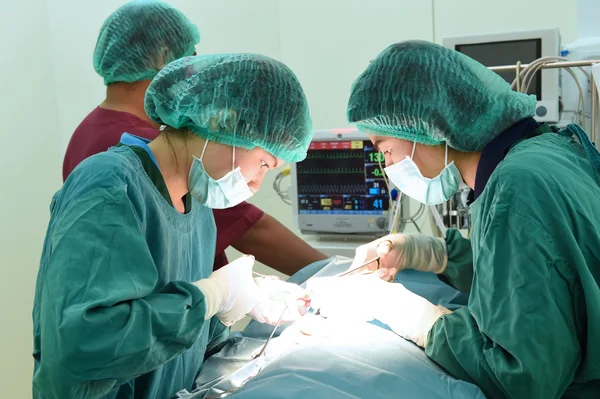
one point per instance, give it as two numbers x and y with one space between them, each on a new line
339 189
499 49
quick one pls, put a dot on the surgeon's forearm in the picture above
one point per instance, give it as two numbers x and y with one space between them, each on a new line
459 269
503 362
91 340
276 246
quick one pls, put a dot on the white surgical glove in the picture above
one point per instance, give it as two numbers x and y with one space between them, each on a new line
368 297
403 251
231 292
280 296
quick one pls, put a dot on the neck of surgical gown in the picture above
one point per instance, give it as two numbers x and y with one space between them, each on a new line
115 313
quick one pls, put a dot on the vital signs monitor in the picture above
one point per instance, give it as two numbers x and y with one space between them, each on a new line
340 188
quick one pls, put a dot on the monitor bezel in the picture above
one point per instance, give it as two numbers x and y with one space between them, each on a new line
550 89
320 222
539 76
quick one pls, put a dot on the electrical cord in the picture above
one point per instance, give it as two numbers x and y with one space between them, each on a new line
283 193
395 210
524 78
392 210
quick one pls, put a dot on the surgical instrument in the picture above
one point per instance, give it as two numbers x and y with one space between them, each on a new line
352 271
229 392
272 333
264 275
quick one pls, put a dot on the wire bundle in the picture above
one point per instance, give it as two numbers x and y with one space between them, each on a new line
527 74
283 193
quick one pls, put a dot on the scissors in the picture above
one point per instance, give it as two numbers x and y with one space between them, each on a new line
358 269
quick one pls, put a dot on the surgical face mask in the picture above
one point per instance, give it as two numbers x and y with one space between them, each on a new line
408 178
226 192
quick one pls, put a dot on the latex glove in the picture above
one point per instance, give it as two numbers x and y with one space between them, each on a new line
403 251
368 297
231 292
280 296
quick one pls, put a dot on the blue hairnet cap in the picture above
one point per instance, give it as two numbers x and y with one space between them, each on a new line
420 91
242 100
140 38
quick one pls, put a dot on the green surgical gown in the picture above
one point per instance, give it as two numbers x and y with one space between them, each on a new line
532 326
115 313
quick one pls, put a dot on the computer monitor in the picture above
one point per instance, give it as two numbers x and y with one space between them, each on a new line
339 188
507 49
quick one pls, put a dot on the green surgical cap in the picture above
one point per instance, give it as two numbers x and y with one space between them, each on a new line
140 38
423 92
242 100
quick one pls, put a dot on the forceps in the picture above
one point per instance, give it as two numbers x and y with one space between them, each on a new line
264 275
229 392
356 269
272 333
278 321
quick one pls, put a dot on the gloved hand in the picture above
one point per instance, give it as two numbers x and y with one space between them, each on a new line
231 292
367 297
403 251
280 296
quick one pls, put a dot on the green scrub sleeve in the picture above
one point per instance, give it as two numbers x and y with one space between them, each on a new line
102 314
459 270
517 338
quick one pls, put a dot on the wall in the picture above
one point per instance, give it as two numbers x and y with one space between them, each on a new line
329 43
235 26
29 163
73 30
588 11
460 17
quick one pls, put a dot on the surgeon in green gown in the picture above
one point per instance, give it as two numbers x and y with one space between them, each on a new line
532 267
126 303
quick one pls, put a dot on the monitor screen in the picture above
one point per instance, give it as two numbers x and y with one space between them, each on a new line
342 178
507 53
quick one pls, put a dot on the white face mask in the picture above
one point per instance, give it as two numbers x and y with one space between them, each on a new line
227 192
408 178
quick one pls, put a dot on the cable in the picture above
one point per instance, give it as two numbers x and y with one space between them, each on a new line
387 184
581 103
524 78
438 220
283 194
526 72
518 78
411 219
395 210
397 207
523 75
414 216
392 208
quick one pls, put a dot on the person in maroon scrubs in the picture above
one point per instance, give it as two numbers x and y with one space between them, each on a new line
128 55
